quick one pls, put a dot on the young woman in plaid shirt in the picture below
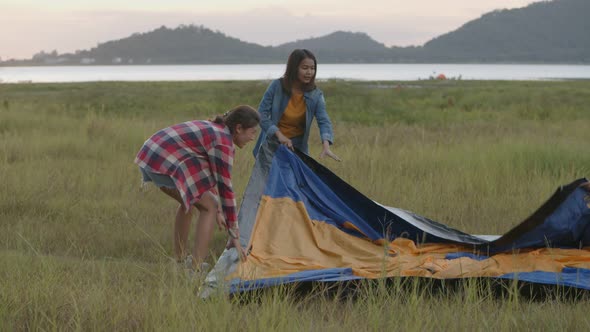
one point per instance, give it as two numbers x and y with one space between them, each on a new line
191 162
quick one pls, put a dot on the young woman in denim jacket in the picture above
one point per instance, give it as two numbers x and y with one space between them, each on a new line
290 104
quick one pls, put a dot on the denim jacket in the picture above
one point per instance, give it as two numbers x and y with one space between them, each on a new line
275 101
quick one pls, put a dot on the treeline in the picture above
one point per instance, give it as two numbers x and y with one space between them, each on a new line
543 32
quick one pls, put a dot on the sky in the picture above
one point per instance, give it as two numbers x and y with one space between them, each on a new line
30 26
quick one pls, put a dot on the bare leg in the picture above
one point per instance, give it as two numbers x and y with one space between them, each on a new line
207 207
181 225
181 228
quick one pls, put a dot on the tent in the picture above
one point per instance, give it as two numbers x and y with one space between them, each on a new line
300 222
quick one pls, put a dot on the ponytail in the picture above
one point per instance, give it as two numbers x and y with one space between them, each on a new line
220 119
243 115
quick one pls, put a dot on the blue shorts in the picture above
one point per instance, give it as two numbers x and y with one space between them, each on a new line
160 180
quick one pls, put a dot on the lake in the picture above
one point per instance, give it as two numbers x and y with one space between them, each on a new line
367 72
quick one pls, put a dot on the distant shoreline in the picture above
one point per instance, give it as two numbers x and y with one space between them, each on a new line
255 72
4 64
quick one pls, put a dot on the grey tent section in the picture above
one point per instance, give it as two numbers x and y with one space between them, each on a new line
227 262
214 282
255 189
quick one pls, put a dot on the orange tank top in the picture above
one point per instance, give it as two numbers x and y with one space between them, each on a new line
292 123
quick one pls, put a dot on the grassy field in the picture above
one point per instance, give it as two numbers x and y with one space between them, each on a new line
84 247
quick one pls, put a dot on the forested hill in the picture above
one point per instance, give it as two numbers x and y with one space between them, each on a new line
182 45
555 31
185 44
341 47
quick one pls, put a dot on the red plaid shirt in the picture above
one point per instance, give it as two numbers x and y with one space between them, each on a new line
198 155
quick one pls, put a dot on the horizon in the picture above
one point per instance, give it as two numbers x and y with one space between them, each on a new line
68 25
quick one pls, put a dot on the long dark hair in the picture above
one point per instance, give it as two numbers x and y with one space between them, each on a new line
290 75
243 115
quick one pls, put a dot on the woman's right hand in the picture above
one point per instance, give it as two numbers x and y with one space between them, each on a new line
284 140
220 220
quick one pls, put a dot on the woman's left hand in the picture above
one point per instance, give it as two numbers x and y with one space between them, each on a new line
235 243
326 152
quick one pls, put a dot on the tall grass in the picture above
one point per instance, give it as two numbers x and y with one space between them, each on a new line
84 247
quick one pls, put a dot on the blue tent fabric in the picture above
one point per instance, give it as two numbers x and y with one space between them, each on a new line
568 277
374 219
324 275
561 222
565 227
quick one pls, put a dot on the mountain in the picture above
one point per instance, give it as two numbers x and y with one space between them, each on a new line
341 47
183 45
543 32
555 31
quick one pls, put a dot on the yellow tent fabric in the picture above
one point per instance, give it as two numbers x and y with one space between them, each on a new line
285 240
